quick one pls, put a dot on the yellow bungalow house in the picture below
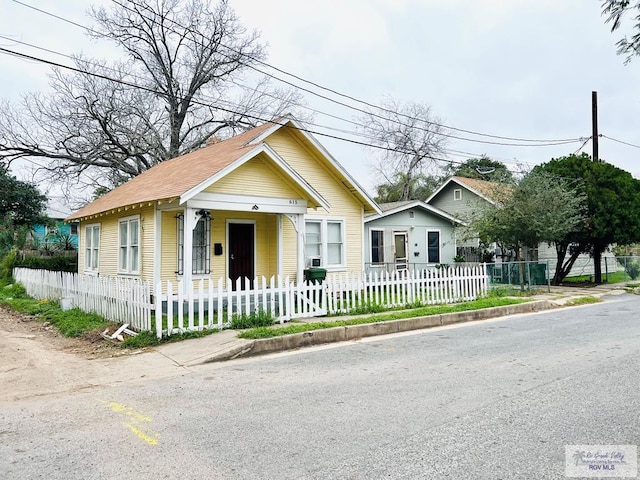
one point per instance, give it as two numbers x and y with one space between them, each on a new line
270 201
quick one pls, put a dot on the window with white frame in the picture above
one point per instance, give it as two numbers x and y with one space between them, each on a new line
457 194
377 246
201 249
433 247
324 238
92 246
129 245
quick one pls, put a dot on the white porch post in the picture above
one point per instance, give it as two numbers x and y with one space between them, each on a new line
301 233
190 220
298 224
280 240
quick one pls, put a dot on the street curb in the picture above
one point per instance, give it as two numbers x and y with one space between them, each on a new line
353 332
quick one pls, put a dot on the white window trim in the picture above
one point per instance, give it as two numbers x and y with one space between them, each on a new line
457 194
128 270
435 230
87 268
324 250
371 262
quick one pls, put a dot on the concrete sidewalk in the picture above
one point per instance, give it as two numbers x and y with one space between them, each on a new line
225 345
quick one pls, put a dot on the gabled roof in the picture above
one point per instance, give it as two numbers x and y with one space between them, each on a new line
392 208
182 176
489 191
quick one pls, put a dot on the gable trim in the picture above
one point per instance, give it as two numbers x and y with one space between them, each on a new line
415 204
267 150
324 152
466 187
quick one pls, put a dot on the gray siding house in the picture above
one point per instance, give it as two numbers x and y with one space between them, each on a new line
462 197
408 235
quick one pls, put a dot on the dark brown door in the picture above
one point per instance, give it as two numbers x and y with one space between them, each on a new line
241 250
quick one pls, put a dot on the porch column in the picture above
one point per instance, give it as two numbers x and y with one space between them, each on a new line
190 220
301 259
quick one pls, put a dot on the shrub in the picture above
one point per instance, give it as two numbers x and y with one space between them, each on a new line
633 269
6 266
54 263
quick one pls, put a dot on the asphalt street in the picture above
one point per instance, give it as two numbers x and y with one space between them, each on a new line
498 399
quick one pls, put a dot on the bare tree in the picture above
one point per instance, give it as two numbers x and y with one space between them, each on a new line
182 81
408 138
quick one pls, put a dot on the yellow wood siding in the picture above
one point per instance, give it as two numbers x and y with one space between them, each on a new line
169 246
259 176
343 205
147 239
289 250
109 241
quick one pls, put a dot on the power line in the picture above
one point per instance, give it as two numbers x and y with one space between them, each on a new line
254 117
536 141
324 97
52 15
620 141
335 92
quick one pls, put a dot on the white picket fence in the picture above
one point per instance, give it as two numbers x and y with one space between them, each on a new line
208 305
121 300
203 305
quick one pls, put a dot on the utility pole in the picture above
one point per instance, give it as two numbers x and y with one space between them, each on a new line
594 124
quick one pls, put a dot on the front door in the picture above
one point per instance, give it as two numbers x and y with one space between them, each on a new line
401 250
241 251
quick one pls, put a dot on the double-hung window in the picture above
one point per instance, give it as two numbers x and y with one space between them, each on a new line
324 239
377 246
129 245
92 247
201 250
433 247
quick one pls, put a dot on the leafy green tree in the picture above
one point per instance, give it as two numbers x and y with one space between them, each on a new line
20 202
483 168
541 208
613 209
419 187
615 11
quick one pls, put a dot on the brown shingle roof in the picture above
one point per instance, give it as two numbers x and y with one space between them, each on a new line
491 190
172 178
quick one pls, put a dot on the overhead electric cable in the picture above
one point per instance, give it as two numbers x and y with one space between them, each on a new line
541 142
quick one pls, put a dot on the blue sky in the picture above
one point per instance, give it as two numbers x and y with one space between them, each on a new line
520 68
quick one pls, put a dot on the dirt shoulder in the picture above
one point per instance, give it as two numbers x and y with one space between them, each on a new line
36 360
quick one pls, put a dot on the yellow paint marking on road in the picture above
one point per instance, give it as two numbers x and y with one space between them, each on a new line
141 435
135 420
128 411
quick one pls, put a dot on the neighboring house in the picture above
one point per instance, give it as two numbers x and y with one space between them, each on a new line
462 197
270 201
57 234
408 235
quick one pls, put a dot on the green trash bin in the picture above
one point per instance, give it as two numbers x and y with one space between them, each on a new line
315 274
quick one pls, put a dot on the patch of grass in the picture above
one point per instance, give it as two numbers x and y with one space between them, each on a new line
149 339
613 277
582 301
261 318
71 323
510 291
265 332
368 308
